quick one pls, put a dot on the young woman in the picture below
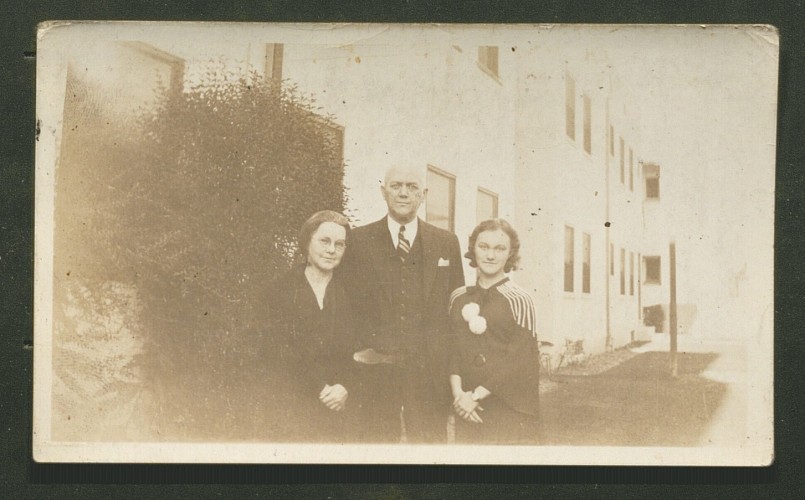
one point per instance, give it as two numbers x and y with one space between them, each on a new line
313 338
495 360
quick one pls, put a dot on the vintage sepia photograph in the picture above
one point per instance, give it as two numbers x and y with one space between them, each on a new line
405 244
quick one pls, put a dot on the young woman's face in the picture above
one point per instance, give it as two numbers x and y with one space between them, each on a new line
327 245
492 250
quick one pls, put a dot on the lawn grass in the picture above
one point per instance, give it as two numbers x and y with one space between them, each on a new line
636 403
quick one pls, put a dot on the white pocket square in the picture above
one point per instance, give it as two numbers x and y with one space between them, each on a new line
444 262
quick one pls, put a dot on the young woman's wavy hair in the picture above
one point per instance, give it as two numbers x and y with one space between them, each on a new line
312 224
494 225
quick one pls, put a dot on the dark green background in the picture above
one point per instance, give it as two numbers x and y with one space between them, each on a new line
21 478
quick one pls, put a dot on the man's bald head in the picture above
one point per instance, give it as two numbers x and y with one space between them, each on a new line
404 191
407 171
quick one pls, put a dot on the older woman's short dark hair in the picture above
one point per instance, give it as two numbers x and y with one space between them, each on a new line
494 225
312 224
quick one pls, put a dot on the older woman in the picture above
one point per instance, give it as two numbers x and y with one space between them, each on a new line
495 361
313 335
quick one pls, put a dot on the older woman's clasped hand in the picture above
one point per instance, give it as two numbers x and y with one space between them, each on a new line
467 408
334 396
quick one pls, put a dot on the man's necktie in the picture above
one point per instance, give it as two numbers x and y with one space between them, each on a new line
403 246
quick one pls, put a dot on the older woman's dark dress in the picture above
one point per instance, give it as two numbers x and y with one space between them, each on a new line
504 359
312 347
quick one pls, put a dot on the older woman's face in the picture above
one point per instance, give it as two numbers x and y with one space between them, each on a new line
327 245
492 250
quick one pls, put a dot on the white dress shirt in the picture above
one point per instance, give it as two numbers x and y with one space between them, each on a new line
410 230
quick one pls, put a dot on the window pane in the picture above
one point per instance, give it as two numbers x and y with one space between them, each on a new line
612 140
631 273
651 172
639 288
569 236
488 58
623 271
585 270
486 205
570 107
611 259
587 125
273 63
652 187
631 170
440 202
652 269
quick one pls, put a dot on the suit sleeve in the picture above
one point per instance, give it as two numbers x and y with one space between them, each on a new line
456 267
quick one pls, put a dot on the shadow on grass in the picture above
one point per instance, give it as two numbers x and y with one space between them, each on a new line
634 404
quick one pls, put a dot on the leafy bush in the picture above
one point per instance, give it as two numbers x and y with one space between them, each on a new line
196 204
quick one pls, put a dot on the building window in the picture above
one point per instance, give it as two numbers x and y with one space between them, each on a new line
274 54
652 265
569 262
611 259
486 206
488 59
585 269
652 187
611 140
570 107
639 288
622 161
631 273
651 173
587 125
623 271
440 204
631 169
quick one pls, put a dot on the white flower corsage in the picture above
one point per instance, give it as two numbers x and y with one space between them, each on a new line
478 325
470 311
472 315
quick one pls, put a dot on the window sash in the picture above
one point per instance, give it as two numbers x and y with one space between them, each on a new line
486 205
585 270
569 259
570 107
440 202
587 125
653 270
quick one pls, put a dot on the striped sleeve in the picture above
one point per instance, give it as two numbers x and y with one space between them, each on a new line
522 306
458 292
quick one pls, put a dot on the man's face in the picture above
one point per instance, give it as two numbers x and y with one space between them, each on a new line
404 192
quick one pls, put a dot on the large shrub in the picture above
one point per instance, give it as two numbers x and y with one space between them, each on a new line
197 204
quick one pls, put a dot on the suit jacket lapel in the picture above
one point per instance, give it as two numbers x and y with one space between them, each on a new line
380 248
430 254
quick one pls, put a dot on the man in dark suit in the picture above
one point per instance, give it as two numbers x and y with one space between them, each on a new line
403 271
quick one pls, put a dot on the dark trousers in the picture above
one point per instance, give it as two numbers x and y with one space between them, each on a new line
403 397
